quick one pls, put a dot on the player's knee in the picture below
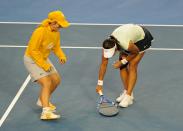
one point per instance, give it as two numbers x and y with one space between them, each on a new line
133 64
47 83
56 80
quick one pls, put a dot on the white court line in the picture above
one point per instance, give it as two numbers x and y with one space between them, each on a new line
166 49
69 47
90 24
10 107
81 47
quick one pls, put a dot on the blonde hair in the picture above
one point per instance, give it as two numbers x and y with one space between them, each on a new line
45 22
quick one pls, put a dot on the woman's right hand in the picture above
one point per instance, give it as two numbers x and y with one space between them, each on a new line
50 69
99 88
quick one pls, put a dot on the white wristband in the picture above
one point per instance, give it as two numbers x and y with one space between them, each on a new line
124 61
100 82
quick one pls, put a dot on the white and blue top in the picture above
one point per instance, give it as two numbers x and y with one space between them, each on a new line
128 32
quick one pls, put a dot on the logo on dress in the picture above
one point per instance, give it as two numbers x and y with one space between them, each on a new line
50 45
41 74
145 46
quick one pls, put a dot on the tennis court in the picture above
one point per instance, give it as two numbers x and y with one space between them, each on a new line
158 92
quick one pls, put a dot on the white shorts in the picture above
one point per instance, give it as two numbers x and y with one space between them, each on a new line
35 71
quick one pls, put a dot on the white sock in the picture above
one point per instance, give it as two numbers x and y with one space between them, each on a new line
46 109
39 102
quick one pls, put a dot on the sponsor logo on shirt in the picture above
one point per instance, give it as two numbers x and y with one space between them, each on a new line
50 45
145 46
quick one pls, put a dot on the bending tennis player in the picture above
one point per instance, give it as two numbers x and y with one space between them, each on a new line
46 38
130 41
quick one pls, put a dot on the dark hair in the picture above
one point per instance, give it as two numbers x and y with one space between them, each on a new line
108 43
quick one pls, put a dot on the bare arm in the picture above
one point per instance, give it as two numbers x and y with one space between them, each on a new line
103 67
102 71
134 51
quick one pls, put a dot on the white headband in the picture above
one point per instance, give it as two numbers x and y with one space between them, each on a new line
108 53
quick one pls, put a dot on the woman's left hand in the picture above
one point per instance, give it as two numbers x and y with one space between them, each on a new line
63 60
117 64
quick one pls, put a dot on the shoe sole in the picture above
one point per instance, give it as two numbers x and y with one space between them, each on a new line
125 106
50 118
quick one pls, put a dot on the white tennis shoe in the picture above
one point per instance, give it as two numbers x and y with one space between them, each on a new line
120 98
126 101
52 107
48 114
122 95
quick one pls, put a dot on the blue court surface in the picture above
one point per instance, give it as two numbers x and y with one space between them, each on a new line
158 93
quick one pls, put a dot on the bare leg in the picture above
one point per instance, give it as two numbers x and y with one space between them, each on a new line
45 92
55 79
124 73
132 77
124 77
